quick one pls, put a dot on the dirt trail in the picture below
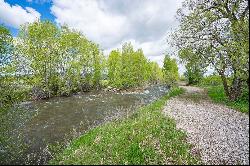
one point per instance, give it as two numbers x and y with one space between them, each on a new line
220 135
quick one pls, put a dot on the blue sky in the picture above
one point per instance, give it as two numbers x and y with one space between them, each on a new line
144 23
42 7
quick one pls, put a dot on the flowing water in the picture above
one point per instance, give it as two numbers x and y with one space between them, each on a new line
27 130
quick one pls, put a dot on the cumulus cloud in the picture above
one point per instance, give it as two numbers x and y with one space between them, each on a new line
103 27
15 15
110 23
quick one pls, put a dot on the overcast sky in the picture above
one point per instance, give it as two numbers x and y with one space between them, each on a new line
109 23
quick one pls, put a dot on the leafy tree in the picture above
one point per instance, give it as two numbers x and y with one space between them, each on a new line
194 69
127 62
170 70
6 69
39 47
129 68
58 60
218 33
114 68
193 73
6 47
154 72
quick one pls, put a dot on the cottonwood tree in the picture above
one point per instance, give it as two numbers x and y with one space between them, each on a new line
114 68
38 45
154 73
57 60
170 70
218 33
129 68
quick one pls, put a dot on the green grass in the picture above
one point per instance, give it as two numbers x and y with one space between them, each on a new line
146 137
217 94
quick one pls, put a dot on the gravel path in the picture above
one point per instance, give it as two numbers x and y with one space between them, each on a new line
218 134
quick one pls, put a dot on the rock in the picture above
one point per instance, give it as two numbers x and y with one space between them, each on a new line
38 93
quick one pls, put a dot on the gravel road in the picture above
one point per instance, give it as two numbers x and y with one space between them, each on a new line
219 135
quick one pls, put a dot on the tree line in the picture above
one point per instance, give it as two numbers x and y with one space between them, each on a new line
47 60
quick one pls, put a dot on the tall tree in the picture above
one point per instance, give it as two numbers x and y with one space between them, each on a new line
114 68
38 45
6 50
170 70
218 33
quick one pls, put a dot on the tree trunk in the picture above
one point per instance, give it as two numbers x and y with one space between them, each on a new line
236 89
225 85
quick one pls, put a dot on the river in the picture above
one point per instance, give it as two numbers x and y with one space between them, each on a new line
28 129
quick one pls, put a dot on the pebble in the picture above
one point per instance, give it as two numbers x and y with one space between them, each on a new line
218 133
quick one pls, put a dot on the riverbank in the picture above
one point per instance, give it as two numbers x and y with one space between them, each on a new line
36 125
146 137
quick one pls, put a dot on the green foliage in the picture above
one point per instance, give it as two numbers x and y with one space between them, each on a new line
146 137
6 69
193 74
194 69
212 80
6 47
129 68
217 32
115 68
170 70
182 78
57 60
217 94
154 73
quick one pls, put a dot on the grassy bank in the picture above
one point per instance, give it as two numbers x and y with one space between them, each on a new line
217 94
146 137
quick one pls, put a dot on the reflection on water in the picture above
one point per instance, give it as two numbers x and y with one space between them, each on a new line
48 121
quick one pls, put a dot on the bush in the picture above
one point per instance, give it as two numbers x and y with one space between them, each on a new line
213 80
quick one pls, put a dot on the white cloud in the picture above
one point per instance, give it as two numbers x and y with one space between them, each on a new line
112 22
15 15
87 16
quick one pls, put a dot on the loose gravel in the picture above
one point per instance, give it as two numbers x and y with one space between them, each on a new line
219 135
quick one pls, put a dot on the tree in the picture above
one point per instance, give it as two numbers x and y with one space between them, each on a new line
39 47
58 60
170 70
154 73
6 47
114 68
129 68
193 73
127 65
194 69
6 68
218 33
